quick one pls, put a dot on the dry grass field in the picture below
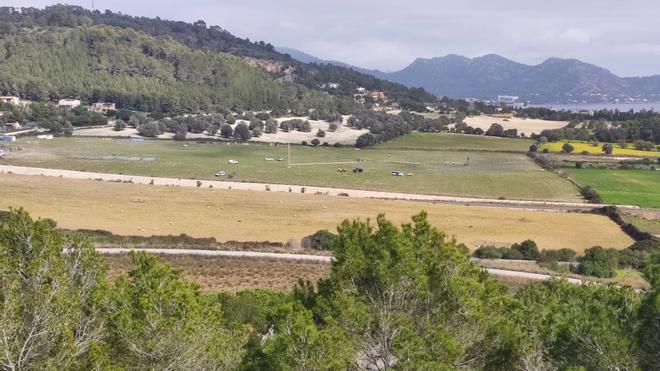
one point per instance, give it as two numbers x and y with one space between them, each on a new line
227 274
131 209
223 274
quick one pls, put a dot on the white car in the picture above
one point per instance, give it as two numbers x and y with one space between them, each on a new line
397 173
280 159
233 162
220 173
268 158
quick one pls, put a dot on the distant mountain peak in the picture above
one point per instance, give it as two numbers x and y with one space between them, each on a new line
555 80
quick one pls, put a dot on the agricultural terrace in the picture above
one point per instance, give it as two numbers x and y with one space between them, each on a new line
579 147
523 125
133 209
628 187
452 173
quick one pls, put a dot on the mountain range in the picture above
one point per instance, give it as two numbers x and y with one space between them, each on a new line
553 81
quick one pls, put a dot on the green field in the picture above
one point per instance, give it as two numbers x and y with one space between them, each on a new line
488 174
443 141
628 187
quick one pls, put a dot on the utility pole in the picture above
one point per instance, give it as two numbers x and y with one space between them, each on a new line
92 4
288 156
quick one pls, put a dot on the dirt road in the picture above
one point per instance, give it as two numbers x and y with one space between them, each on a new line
262 187
301 257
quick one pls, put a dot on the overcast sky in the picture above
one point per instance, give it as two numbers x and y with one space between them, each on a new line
622 36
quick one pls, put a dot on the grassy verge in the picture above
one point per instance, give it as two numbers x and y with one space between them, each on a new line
643 224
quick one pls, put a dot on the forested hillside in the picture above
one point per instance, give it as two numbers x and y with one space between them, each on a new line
198 36
137 71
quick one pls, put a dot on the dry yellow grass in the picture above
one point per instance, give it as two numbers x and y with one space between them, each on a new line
215 273
223 274
131 209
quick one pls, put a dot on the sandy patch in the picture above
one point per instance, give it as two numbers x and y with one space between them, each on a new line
526 126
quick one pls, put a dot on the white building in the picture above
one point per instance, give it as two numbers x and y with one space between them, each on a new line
67 104
507 99
103 107
11 100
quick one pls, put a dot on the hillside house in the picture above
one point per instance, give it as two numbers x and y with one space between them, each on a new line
377 95
15 101
67 104
103 107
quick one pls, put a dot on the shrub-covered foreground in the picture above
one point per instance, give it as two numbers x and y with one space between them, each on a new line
403 298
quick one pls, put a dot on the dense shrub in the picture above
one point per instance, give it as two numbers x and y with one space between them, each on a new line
561 255
567 148
270 126
365 140
242 132
321 240
226 131
513 255
119 125
590 195
599 262
490 252
150 129
527 249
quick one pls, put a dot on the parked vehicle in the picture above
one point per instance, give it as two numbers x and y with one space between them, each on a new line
220 173
233 162
397 173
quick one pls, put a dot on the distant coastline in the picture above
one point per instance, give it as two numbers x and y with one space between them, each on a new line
599 106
